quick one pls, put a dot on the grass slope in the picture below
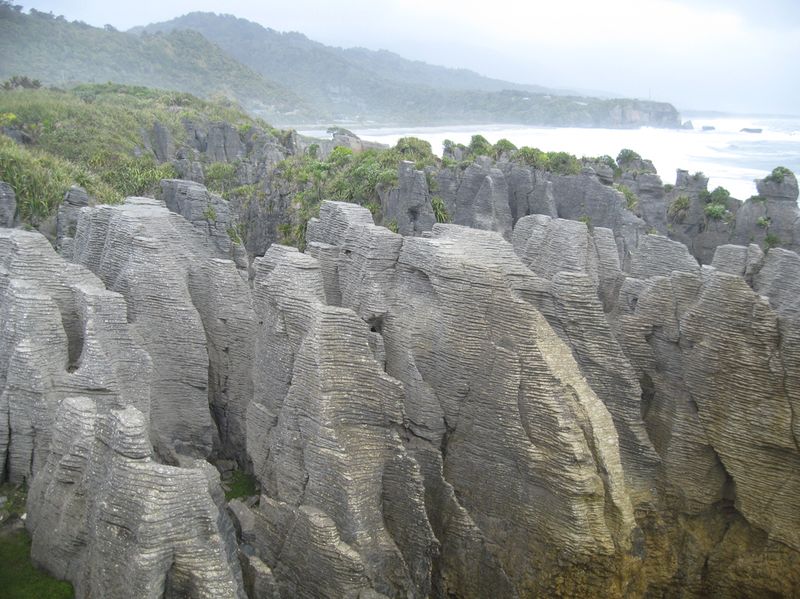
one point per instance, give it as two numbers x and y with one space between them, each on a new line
93 136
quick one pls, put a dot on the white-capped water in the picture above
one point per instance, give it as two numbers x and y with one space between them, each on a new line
729 157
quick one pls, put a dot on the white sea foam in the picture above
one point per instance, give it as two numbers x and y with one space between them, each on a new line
731 158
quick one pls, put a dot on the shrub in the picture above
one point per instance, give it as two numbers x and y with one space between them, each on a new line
240 484
414 149
631 199
40 181
771 241
439 210
668 187
210 214
715 211
137 176
720 195
778 173
480 146
563 163
503 146
220 176
627 156
679 206
533 157
763 221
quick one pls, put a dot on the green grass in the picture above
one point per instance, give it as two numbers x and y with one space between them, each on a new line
240 484
631 199
92 136
18 578
679 206
40 180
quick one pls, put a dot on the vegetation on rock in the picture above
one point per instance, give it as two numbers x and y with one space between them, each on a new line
95 136
778 174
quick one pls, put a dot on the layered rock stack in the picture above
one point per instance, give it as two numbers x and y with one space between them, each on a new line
560 410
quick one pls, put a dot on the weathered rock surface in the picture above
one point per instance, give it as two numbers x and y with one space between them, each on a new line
581 411
8 205
75 398
169 271
62 334
116 523
323 435
487 389
206 211
409 204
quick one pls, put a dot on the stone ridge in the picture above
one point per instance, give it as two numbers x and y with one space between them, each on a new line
562 409
169 271
486 380
75 396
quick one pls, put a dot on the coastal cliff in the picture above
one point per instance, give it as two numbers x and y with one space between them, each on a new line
503 373
570 411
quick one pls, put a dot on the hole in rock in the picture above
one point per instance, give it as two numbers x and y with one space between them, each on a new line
74 330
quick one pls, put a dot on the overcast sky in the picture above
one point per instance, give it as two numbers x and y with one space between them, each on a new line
731 55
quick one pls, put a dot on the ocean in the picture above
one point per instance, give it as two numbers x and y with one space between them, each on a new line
730 157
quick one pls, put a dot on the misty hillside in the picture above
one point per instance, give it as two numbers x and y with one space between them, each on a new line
291 80
316 68
60 52
363 85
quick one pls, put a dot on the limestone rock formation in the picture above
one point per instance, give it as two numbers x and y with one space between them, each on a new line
771 216
409 204
323 435
206 211
8 205
67 218
117 524
479 198
192 310
59 325
483 393
75 398
563 409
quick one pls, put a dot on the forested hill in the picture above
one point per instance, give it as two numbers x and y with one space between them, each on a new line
59 52
291 80
378 86
309 66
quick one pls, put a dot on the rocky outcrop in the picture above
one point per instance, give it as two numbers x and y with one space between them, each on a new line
340 138
207 212
483 394
76 401
67 218
478 197
8 205
772 218
408 205
324 440
169 271
109 518
575 412
58 324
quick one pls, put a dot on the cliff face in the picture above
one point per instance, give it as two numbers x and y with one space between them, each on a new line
530 406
